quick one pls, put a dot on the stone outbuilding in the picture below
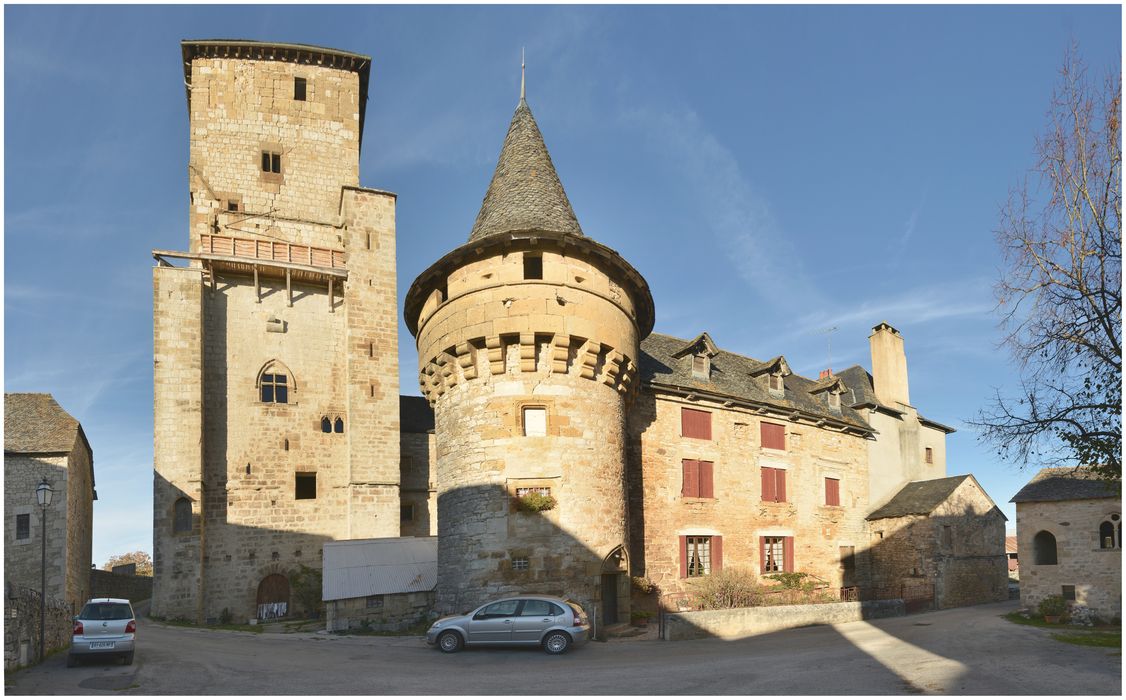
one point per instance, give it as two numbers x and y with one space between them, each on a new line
379 584
1069 532
940 543
43 440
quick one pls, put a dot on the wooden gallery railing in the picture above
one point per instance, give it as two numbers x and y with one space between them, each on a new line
276 251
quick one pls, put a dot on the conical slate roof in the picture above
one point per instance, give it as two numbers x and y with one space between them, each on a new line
525 193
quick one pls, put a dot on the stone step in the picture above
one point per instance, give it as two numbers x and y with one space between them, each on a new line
623 630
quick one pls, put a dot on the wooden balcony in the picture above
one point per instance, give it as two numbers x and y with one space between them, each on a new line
258 257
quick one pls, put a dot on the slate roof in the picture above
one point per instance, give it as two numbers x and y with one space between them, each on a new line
919 497
731 376
1066 484
862 392
35 423
415 415
525 193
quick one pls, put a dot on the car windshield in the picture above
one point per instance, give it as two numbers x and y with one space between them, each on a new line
106 611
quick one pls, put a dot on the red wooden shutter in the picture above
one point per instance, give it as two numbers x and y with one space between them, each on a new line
780 485
832 492
762 555
773 436
683 556
706 471
787 553
717 554
690 487
695 424
767 484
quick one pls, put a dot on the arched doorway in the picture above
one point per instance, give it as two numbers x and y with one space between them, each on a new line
273 597
614 580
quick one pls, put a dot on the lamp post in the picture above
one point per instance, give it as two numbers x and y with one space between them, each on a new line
43 496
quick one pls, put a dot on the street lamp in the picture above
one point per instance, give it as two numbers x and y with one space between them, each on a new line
43 494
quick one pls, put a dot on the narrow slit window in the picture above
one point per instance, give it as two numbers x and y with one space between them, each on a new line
299 85
930 455
326 425
23 527
338 425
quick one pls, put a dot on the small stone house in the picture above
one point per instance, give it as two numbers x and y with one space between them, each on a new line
41 440
380 584
1069 530
939 543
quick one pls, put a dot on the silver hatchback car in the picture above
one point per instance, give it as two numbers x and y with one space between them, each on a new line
105 626
554 623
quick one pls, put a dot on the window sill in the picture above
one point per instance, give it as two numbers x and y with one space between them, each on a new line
696 499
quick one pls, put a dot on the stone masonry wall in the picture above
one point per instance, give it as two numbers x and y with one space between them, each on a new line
737 513
392 612
1095 572
958 551
79 523
241 107
500 344
106 584
418 467
21 625
737 623
23 558
178 360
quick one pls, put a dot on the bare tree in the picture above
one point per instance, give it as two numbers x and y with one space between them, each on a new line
140 558
1060 292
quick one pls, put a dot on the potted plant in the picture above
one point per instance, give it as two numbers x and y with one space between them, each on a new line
640 618
1053 609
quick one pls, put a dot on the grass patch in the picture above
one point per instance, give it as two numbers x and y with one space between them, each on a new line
1107 640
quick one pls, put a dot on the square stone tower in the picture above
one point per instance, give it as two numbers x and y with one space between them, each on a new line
275 344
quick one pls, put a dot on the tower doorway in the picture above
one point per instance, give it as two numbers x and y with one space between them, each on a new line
273 597
610 599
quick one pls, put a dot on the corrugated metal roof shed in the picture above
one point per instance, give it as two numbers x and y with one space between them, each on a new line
359 568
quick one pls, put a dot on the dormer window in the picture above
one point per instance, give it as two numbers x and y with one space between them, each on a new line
776 384
701 367
834 400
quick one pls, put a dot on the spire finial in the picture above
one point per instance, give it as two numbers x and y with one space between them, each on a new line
521 73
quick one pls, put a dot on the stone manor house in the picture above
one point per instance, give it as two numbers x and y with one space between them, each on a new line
559 446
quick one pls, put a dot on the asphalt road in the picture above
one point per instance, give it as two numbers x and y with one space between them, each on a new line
963 651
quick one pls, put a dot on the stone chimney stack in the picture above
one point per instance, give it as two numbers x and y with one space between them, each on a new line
889 365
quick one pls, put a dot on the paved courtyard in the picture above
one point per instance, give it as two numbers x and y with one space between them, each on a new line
969 651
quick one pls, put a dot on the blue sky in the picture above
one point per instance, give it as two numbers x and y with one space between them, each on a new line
772 171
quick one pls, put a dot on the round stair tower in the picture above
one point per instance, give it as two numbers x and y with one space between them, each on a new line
527 341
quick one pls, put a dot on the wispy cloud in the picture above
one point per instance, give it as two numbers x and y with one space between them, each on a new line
925 304
732 211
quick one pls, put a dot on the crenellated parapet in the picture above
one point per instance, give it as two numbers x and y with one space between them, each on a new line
557 353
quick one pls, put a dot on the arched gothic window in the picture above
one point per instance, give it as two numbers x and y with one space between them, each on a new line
1110 532
1044 548
275 383
338 426
326 425
182 516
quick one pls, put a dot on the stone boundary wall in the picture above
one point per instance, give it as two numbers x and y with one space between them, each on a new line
396 612
748 622
21 626
106 584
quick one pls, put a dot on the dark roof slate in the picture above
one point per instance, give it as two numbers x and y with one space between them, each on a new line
415 415
1066 484
918 497
36 423
731 376
525 193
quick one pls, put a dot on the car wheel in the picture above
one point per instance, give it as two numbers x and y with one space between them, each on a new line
556 642
127 659
71 660
449 642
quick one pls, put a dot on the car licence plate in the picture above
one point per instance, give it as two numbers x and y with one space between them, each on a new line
101 645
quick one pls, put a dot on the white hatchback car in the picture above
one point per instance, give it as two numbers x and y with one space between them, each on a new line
106 626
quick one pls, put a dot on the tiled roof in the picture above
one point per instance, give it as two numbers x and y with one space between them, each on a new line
415 415
1010 544
919 497
1067 484
35 423
525 193
731 376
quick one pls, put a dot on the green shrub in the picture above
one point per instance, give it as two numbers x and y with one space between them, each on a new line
730 588
533 502
789 579
641 615
306 584
1053 605
641 584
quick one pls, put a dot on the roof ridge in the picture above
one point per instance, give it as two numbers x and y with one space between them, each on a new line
525 192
